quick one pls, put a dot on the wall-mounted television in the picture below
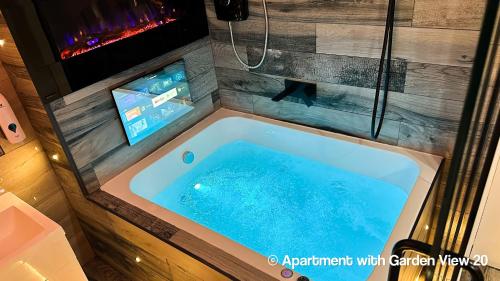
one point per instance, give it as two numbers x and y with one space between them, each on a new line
154 101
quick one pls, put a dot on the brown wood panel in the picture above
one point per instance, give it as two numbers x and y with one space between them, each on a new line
9 53
454 14
122 255
232 265
349 11
426 45
181 265
99 270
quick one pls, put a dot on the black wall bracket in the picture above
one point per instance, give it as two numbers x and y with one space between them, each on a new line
301 90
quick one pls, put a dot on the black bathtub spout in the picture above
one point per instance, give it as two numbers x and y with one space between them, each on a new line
301 90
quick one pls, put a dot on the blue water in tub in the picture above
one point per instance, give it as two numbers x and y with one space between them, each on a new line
280 204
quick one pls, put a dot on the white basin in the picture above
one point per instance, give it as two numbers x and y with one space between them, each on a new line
17 230
33 247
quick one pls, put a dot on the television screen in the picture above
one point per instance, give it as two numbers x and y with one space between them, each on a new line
154 101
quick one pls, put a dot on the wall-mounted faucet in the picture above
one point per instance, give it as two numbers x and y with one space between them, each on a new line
9 123
302 90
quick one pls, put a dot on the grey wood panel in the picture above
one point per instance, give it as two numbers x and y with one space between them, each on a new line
432 140
456 14
296 36
79 118
96 143
420 110
344 70
199 61
203 84
250 82
224 55
428 111
236 100
328 119
426 45
439 81
350 11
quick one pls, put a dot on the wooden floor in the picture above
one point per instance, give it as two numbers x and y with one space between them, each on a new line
99 270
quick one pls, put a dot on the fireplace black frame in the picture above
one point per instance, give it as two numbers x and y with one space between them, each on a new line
54 77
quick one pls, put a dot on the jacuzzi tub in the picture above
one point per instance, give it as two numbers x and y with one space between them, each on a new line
346 196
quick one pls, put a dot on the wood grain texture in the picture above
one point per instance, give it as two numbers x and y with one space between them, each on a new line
349 11
232 265
420 110
120 254
344 70
432 140
328 119
118 242
425 45
9 53
250 82
454 14
439 81
236 100
99 270
292 36
224 55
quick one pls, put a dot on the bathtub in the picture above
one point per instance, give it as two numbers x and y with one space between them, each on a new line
161 185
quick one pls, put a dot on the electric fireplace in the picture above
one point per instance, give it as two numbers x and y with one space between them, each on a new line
81 42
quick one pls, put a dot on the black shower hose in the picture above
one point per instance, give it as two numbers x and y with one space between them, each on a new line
386 50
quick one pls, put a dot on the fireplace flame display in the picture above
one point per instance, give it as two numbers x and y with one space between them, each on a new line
82 26
84 42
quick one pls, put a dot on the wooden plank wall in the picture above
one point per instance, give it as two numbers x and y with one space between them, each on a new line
114 240
25 169
336 44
